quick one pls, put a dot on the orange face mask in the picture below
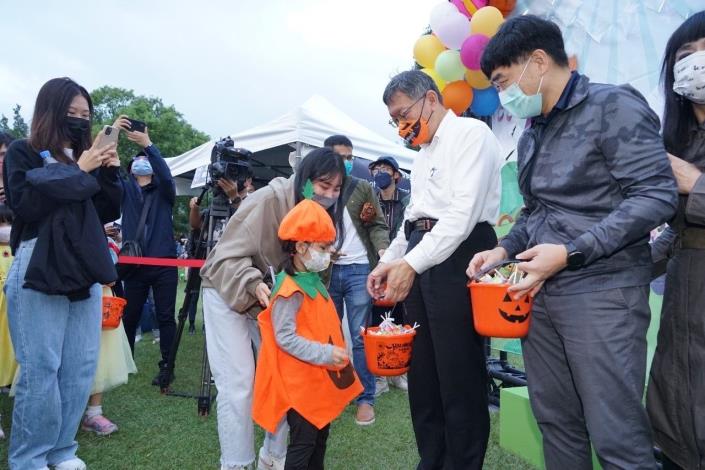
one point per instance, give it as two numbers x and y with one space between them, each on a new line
415 132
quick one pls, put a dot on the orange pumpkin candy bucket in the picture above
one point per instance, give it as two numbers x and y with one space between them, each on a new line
387 354
495 312
112 311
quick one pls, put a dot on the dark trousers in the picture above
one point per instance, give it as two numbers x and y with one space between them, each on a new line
307 444
163 282
448 372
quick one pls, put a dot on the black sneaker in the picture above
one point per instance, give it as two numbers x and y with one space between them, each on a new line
158 379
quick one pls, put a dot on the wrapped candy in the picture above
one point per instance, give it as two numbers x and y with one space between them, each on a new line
389 328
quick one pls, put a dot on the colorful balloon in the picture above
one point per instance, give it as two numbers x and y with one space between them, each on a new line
486 21
471 50
457 96
453 30
461 7
426 50
477 79
440 83
440 12
485 102
473 5
504 6
449 66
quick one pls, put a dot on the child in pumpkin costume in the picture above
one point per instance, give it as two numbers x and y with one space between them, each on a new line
303 371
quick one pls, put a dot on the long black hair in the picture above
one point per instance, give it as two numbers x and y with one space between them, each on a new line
323 164
49 129
678 115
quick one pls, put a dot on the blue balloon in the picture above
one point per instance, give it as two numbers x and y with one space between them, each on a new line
484 102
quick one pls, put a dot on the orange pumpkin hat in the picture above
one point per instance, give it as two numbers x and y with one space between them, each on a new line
308 221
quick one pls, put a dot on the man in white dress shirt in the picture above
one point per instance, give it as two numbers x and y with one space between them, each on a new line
455 193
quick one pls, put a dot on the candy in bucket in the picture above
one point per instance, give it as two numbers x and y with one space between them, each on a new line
388 347
495 312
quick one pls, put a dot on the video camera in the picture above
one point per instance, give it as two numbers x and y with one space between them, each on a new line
229 162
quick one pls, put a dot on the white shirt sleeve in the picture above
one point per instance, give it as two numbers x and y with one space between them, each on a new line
474 177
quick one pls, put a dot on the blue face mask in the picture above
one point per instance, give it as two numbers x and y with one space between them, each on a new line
520 104
348 167
383 180
142 167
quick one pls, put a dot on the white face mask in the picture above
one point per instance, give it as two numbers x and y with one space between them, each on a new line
319 260
5 233
689 75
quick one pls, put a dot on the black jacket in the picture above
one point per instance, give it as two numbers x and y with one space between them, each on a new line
65 208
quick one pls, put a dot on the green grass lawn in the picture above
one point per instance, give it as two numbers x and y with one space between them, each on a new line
162 432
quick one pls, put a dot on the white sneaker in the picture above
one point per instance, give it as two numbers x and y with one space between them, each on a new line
73 464
400 382
138 338
381 386
2 434
267 462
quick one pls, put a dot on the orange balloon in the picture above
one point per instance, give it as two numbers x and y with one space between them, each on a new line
457 96
505 6
477 79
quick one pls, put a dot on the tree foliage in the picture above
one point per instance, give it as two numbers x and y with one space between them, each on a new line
19 128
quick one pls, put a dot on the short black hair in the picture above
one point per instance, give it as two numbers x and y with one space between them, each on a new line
337 139
412 83
5 139
518 37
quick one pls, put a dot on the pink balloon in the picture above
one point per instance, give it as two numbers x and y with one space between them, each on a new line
471 50
480 3
453 30
461 7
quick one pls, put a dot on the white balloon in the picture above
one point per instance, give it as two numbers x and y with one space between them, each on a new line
453 30
440 12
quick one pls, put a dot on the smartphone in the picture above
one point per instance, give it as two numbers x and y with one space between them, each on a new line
136 125
108 135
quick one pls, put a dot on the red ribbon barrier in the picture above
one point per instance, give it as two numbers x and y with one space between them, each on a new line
188 263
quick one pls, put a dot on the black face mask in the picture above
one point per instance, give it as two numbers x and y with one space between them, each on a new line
383 180
78 128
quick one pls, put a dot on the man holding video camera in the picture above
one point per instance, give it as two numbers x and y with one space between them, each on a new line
149 193
230 178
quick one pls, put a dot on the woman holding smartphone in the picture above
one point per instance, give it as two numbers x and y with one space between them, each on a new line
57 175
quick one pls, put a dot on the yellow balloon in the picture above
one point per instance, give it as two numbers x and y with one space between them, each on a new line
436 78
486 21
426 50
477 79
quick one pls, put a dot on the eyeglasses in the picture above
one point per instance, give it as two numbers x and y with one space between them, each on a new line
349 158
394 122
376 171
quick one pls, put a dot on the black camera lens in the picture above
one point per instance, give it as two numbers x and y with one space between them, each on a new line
108 130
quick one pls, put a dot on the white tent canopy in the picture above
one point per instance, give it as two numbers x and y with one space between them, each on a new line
310 124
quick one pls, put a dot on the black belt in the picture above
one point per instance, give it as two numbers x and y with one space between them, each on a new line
418 225
691 238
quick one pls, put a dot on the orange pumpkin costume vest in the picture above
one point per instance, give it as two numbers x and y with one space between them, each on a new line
283 382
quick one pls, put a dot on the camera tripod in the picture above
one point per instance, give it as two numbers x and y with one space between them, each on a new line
219 211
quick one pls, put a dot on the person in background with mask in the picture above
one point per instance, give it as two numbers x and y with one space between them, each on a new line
149 181
674 399
393 201
5 141
235 292
58 184
455 192
362 241
595 180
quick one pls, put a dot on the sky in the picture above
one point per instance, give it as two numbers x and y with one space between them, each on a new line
226 65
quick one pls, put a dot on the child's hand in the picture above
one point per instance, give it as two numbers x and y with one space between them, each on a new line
340 357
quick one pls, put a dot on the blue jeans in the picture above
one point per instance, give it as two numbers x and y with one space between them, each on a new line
56 343
348 285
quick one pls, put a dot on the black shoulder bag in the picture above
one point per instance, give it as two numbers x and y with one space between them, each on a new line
134 247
